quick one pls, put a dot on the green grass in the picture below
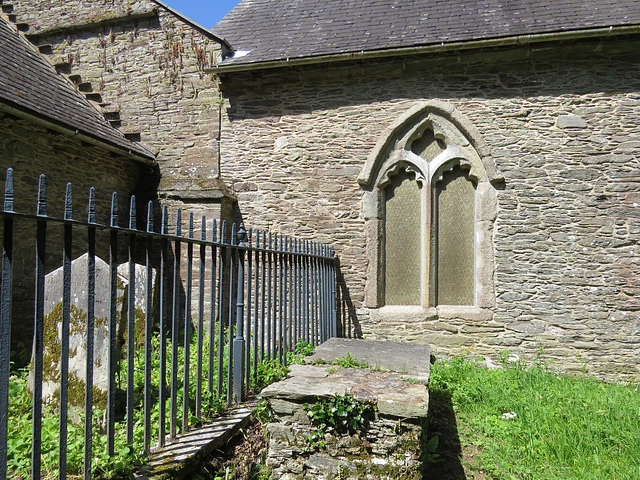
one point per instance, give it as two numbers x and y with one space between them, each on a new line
126 455
528 423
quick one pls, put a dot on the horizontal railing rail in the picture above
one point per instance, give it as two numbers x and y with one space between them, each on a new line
191 316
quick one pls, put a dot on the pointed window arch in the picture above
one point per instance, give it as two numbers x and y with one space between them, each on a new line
429 207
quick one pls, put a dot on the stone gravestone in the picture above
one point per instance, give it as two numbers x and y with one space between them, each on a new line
78 328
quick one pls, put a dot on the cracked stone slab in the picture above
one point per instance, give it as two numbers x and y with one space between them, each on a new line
396 395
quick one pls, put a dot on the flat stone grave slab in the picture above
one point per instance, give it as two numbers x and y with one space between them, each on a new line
396 379
410 358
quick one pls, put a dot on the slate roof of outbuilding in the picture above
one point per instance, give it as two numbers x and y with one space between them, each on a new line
30 84
271 30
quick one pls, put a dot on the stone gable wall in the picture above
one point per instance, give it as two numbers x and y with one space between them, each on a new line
147 66
563 126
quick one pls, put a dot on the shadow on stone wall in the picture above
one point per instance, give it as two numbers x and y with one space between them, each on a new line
348 324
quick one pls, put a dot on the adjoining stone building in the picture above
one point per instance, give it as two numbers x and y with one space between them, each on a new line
475 165
111 94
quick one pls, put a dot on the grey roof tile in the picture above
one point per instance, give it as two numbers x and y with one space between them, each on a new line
276 30
30 84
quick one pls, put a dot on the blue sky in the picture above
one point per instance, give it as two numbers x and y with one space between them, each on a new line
205 12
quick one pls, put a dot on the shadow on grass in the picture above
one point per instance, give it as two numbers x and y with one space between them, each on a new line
445 463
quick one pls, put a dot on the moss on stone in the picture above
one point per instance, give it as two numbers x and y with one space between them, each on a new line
52 351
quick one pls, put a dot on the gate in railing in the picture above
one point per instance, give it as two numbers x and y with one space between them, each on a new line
255 295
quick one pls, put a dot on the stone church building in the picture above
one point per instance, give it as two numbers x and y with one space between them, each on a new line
476 165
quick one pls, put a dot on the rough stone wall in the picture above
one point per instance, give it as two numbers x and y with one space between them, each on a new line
562 124
145 68
389 449
31 150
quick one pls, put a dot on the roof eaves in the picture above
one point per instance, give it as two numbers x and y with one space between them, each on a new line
442 47
138 152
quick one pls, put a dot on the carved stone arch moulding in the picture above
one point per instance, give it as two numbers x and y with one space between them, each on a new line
460 136
459 143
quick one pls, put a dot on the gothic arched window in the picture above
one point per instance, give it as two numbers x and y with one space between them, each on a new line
428 235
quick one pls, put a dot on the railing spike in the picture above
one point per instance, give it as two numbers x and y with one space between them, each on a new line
68 205
179 222
233 234
91 217
114 209
41 209
150 216
133 220
190 231
8 191
203 233
214 230
164 227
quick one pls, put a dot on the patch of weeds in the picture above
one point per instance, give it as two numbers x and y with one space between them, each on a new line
263 412
429 454
302 350
269 372
413 381
340 414
350 362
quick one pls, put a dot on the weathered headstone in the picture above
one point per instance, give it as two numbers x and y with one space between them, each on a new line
78 327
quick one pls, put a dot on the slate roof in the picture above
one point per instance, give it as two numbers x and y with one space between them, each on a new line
270 30
30 84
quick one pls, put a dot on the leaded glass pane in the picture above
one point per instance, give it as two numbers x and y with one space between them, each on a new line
403 243
455 216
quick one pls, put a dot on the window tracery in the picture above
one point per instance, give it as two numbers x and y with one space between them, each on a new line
429 207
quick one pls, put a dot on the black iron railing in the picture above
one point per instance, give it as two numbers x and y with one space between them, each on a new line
254 295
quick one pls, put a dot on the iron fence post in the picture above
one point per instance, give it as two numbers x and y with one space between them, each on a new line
148 333
113 295
187 329
91 292
131 317
64 335
238 342
5 320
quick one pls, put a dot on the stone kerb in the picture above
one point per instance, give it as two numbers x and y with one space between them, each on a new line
78 328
